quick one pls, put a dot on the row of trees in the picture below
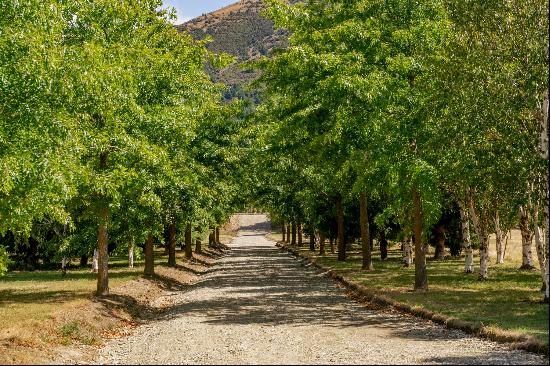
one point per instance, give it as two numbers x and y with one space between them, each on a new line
409 118
111 132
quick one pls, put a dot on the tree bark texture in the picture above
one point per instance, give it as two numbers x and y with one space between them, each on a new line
481 224
322 243
300 234
188 248
311 239
218 235
283 231
526 238
407 252
466 240
365 232
131 253
288 233
198 243
341 236
149 256
172 244
383 245
293 241
103 254
420 273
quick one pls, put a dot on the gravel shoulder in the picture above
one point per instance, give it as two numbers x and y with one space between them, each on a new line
259 305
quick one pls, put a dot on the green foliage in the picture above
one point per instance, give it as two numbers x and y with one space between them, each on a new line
4 260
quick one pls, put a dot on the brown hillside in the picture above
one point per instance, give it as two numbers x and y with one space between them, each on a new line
238 30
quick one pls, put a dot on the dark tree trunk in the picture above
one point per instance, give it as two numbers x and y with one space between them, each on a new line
321 243
212 238
188 249
365 232
149 256
198 243
341 234
312 239
420 274
439 242
172 245
218 235
383 245
300 235
103 255
293 242
83 261
284 232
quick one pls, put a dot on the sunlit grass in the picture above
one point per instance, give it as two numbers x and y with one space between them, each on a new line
510 299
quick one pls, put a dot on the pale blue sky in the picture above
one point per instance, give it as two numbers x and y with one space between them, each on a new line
188 9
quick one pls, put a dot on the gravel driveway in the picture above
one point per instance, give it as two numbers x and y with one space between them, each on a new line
262 306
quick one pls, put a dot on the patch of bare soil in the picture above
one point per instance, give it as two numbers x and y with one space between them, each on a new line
75 334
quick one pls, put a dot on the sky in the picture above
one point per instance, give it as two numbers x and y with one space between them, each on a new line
189 9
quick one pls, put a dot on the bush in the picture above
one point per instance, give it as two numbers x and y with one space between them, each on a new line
4 261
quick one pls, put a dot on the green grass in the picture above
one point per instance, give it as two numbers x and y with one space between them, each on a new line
30 297
509 300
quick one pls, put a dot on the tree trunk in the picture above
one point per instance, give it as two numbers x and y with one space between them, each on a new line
499 239
539 245
466 241
212 238
526 239
188 249
407 252
288 233
300 234
149 255
365 232
321 243
545 187
283 231
102 241
198 243
312 239
480 224
331 244
341 236
131 253
218 235
64 262
420 273
103 254
95 261
439 243
293 242
84 261
172 244
383 245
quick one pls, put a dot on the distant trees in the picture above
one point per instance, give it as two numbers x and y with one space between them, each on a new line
419 108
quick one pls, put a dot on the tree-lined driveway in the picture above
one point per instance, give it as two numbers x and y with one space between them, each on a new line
262 306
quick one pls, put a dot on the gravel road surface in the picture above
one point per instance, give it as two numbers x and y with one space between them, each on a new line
262 306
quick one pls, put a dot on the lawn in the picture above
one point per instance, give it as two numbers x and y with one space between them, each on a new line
509 300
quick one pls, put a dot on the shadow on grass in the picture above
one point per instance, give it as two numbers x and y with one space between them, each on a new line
13 297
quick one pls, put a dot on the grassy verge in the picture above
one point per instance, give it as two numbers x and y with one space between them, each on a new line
509 301
41 311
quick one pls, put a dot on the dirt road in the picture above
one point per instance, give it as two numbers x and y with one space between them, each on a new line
262 306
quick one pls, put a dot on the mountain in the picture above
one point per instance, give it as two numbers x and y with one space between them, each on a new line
238 30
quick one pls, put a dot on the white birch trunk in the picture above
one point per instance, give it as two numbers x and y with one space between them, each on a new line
526 238
499 239
95 264
64 265
480 225
131 254
466 240
407 252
